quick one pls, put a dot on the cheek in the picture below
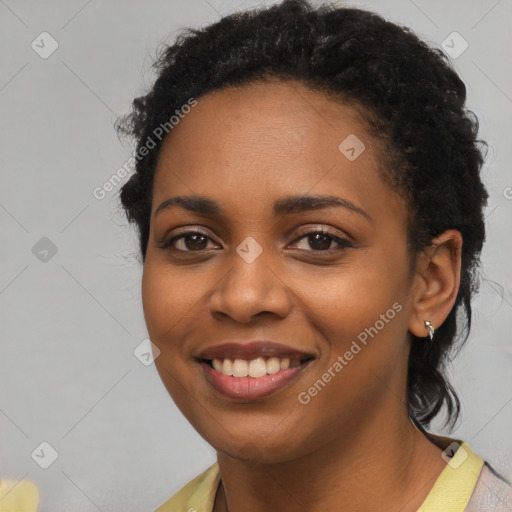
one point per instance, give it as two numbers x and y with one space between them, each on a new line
156 296
167 303
361 312
167 300
352 297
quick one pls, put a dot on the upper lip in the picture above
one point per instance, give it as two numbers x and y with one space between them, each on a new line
252 350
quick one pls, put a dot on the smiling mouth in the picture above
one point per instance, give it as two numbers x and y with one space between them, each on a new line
247 371
248 380
254 368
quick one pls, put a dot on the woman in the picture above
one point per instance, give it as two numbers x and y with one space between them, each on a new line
309 205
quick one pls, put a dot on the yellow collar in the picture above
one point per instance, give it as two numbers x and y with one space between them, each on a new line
450 493
454 486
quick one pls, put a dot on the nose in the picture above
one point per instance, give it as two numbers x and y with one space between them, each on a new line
250 289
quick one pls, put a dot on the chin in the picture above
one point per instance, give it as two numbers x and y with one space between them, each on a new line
261 451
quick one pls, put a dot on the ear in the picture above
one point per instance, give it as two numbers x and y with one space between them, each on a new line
436 282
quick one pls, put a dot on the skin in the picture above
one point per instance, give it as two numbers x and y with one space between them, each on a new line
246 148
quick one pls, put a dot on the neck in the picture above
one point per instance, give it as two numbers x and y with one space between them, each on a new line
383 466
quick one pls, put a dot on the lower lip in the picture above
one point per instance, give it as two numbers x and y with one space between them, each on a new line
250 388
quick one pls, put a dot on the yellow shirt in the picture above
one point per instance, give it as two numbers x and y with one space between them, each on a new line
465 484
451 491
20 496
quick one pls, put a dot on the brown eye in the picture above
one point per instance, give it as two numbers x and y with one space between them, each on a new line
319 241
190 241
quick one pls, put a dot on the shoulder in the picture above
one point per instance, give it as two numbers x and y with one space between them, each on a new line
493 491
196 496
467 483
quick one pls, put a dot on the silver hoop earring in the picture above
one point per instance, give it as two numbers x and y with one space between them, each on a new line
430 328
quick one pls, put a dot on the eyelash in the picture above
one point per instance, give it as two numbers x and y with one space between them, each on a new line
343 243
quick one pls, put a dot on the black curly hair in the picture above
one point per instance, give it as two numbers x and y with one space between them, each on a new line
413 102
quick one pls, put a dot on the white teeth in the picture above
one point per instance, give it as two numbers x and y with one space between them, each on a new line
255 368
240 368
227 367
273 365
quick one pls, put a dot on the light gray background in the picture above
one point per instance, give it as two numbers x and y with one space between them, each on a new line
68 374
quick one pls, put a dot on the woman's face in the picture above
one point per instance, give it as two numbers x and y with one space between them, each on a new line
329 283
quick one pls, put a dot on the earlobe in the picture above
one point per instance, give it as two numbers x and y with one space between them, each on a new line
436 283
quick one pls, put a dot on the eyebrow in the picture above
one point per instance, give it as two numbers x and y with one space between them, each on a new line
285 206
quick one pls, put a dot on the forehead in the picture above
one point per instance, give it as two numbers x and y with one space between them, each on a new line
262 141
281 118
